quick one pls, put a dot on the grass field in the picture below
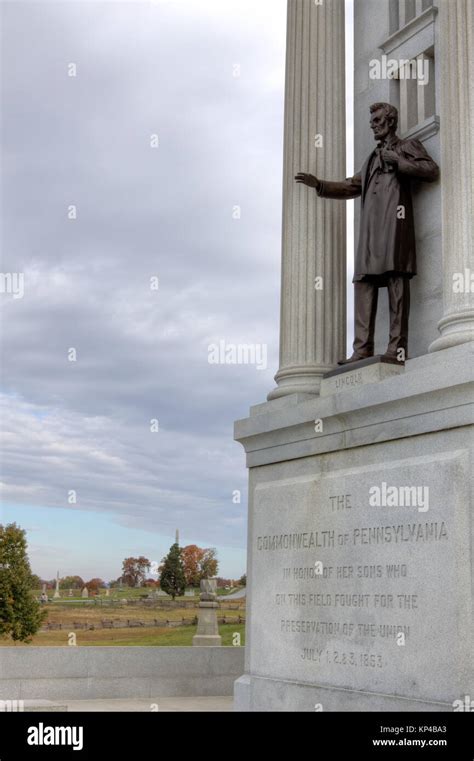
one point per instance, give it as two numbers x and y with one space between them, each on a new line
145 637
126 594
68 615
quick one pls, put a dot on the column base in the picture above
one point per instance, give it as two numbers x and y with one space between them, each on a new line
303 379
207 640
456 329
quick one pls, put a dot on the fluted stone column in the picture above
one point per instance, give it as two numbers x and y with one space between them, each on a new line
456 72
313 322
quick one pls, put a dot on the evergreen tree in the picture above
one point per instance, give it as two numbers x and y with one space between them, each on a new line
172 578
20 613
36 582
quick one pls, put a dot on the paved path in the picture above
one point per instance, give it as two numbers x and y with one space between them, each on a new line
209 705
235 595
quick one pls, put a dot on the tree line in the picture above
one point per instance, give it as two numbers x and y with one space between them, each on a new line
21 615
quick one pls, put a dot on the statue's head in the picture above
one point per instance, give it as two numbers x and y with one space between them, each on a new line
383 120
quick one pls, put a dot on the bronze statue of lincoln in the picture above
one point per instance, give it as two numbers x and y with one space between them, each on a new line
386 255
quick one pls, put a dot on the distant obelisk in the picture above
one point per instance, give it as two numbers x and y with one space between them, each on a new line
56 592
177 536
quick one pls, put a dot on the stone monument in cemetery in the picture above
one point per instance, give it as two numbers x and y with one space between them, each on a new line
208 631
360 538
85 593
56 595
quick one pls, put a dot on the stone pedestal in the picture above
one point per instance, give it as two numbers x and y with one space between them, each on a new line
208 630
358 374
361 544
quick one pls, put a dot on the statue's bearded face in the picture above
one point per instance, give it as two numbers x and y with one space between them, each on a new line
380 125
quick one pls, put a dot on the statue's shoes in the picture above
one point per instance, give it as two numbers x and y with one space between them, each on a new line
354 358
393 358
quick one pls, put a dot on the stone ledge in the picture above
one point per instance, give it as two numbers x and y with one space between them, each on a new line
434 393
359 374
257 692
61 674
415 26
423 131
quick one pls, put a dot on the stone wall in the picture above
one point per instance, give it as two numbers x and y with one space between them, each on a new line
87 673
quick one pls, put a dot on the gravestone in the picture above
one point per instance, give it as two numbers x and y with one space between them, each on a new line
157 594
85 593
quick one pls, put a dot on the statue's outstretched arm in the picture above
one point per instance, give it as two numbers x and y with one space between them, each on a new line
350 188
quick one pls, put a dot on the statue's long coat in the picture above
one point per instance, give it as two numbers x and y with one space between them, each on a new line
387 232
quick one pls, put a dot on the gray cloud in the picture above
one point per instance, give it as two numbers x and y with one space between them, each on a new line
163 68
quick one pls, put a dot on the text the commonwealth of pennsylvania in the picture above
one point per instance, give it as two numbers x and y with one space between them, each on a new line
409 532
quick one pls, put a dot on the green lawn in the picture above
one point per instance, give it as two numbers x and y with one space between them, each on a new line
125 594
146 637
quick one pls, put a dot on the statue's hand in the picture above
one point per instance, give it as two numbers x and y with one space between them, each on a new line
390 157
307 179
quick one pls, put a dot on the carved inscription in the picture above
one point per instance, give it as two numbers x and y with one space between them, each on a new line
342 587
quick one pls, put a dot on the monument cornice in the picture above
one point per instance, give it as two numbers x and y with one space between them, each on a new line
414 27
429 396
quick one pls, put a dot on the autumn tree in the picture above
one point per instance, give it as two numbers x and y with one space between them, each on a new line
134 571
20 613
95 584
71 582
209 564
191 557
222 583
198 564
172 578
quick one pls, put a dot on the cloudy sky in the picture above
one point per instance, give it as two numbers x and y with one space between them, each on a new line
158 160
